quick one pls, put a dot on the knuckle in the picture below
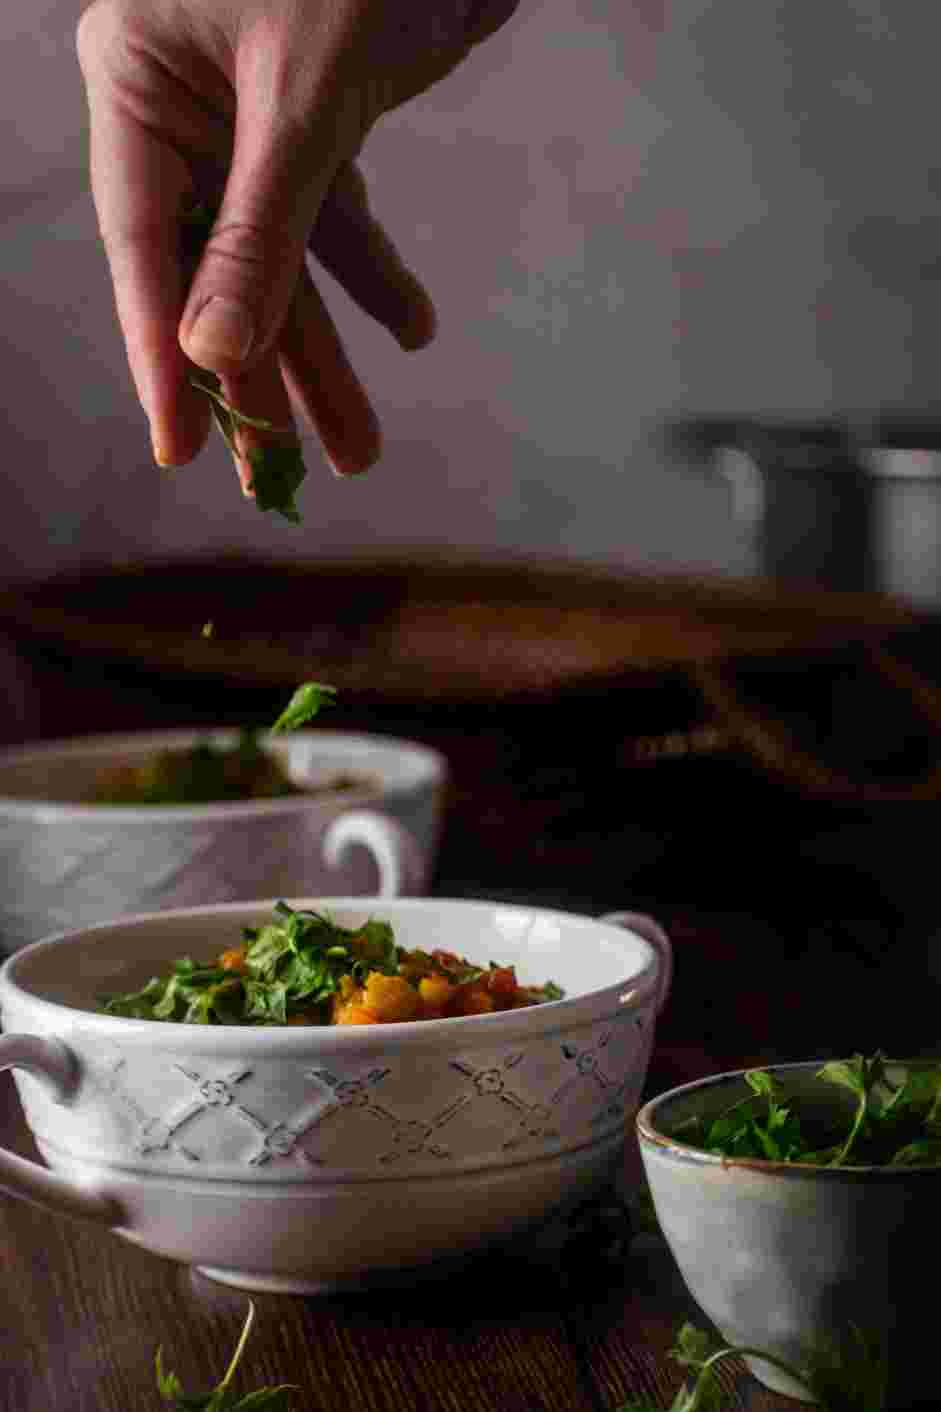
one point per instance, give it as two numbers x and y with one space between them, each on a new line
98 30
246 245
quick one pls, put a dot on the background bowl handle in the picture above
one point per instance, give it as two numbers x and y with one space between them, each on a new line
652 932
401 863
54 1064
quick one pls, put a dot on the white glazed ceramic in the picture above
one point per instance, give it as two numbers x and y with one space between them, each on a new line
65 865
297 1159
780 1255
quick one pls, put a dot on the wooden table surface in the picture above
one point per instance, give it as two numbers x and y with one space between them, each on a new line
797 932
552 1328
548 1328
579 1321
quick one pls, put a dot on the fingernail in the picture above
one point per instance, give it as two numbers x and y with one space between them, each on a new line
345 471
418 331
162 457
223 329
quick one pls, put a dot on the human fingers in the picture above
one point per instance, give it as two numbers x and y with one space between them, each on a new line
264 416
353 246
323 384
138 183
293 128
487 16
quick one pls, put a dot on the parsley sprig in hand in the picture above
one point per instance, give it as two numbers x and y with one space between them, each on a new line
278 464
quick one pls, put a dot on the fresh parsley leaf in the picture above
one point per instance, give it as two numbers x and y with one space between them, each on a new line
278 466
849 1373
844 1373
860 1075
278 471
136 1004
307 702
221 1398
896 1119
295 963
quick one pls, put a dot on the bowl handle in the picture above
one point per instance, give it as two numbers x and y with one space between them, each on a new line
653 933
54 1064
402 865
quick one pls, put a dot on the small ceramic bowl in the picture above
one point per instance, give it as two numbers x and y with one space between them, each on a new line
297 1159
67 862
786 1256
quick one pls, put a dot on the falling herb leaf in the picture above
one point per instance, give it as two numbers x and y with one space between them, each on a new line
307 701
209 628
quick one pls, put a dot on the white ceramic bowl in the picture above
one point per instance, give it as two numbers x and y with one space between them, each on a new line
298 1159
784 1256
65 864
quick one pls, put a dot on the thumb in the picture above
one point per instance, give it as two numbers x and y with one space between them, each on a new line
239 296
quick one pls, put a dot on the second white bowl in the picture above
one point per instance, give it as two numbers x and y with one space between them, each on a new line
66 863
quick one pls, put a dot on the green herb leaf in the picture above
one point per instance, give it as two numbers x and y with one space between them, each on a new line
136 1004
278 468
221 1398
307 702
693 1346
896 1119
294 963
278 471
849 1372
168 1384
272 1399
860 1076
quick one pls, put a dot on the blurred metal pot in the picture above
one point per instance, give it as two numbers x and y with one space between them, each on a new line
852 505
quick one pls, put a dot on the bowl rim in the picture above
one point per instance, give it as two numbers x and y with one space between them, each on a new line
651 1138
614 1001
430 767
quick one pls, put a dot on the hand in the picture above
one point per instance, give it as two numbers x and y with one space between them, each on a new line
260 107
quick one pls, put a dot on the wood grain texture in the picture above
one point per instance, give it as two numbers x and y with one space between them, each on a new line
525 1330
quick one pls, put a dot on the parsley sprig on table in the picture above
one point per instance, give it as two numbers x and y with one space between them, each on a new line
222 1398
846 1375
291 966
896 1120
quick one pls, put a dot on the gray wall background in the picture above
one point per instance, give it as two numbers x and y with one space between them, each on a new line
624 211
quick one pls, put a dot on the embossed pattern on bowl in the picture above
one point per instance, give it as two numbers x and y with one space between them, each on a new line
492 1120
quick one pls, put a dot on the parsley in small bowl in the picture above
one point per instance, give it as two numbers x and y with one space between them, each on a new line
800 1203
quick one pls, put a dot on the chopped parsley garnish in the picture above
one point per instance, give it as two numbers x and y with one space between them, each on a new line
291 966
304 968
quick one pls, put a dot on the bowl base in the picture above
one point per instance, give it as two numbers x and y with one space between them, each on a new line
262 1284
259 1282
777 1381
